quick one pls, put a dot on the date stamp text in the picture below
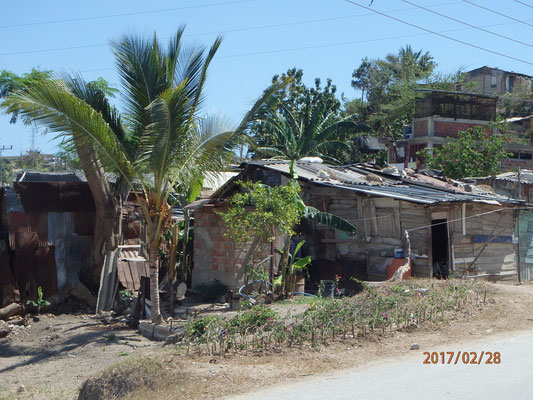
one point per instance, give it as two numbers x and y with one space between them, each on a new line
462 357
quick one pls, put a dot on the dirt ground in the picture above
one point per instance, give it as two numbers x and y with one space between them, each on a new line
52 358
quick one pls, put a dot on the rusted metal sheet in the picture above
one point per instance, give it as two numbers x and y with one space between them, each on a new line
130 273
55 196
84 222
38 223
75 197
26 243
18 222
45 270
38 196
8 292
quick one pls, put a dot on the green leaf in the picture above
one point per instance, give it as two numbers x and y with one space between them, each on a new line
331 220
302 263
298 247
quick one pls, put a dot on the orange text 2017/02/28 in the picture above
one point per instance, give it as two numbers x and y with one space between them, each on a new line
462 357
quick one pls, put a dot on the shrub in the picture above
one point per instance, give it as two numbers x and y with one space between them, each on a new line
254 318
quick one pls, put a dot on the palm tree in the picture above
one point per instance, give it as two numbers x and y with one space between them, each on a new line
164 145
408 64
318 132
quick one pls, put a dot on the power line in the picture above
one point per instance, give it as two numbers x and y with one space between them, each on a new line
259 27
525 4
467 24
317 46
497 13
439 34
57 21
225 31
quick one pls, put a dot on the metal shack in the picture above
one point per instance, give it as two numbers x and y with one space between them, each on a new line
47 232
450 226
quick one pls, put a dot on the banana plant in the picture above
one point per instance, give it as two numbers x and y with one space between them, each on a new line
311 214
295 265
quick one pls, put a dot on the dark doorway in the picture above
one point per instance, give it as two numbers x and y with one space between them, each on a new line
439 247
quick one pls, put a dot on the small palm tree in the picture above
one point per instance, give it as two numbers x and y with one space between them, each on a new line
318 132
164 145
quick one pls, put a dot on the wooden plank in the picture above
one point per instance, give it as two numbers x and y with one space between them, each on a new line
122 266
135 274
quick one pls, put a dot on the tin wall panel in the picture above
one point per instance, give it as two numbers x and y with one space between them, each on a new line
38 196
26 243
45 270
18 222
84 222
60 225
75 197
77 256
38 222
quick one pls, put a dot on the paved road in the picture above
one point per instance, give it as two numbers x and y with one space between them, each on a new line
408 378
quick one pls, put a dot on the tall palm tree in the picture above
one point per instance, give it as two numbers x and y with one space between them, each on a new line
164 145
317 132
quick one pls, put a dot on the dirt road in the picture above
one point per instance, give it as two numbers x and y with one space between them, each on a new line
407 377
52 358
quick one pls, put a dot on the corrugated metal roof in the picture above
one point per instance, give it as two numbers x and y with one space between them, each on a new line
36 176
317 172
414 188
526 176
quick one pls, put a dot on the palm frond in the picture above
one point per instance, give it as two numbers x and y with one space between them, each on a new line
52 105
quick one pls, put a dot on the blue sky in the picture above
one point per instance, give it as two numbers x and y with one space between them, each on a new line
326 38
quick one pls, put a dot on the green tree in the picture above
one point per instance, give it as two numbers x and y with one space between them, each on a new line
294 96
388 88
474 153
259 212
314 130
294 105
166 144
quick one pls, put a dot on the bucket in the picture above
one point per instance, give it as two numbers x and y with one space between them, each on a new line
398 252
299 284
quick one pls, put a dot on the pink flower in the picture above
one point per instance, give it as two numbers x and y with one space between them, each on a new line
289 328
338 277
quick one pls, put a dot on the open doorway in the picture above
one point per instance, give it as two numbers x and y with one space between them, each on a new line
439 247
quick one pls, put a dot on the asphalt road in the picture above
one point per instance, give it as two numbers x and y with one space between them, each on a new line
408 378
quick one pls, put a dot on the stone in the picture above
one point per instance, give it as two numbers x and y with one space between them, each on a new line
21 388
415 346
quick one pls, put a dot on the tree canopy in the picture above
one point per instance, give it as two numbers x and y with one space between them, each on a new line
473 153
306 121
388 88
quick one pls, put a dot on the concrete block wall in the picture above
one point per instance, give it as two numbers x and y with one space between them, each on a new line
216 255
451 129
214 251
420 128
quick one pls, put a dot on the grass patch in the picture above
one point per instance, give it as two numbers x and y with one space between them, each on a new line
124 378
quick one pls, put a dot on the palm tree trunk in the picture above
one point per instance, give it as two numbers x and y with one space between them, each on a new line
108 213
153 257
171 273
